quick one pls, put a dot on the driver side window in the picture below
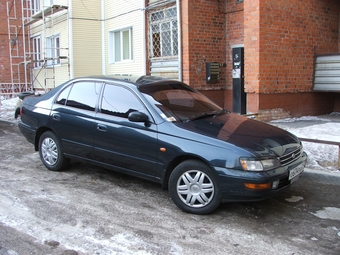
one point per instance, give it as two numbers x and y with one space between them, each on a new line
120 102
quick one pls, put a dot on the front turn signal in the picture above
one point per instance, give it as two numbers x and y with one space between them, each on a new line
257 186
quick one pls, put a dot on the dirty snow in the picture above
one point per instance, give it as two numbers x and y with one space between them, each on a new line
71 230
332 213
327 127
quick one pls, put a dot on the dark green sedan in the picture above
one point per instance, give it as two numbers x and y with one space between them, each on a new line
164 131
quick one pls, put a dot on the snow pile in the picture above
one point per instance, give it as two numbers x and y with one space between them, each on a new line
320 156
7 108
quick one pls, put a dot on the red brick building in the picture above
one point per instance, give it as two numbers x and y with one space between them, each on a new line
5 71
280 38
14 75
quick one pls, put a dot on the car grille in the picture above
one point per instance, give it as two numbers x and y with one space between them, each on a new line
290 157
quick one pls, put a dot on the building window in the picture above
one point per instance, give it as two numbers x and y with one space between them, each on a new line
53 50
163 33
120 42
35 6
37 54
48 3
239 1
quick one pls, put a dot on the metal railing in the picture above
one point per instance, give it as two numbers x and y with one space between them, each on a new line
10 90
163 33
323 142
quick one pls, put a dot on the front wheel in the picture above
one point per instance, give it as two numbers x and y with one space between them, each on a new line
51 153
193 188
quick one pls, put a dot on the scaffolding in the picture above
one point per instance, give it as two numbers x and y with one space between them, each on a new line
19 76
33 65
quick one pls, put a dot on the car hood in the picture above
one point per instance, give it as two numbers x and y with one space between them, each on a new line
260 138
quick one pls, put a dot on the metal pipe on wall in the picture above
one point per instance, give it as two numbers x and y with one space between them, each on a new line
179 40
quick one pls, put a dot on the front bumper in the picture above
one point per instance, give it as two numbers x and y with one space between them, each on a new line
232 182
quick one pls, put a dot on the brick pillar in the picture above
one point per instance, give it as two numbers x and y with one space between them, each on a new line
252 53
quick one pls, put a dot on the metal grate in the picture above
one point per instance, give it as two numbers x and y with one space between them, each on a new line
163 33
11 90
290 157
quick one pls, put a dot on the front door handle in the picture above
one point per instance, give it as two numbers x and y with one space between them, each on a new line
101 127
56 116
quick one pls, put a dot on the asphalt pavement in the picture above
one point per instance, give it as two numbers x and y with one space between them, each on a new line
90 210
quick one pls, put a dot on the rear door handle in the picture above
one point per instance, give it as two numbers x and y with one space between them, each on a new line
56 117
101 128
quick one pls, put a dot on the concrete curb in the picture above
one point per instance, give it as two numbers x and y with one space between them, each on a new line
321 176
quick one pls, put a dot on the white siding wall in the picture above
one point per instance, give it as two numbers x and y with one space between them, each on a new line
84 51
86 36
121 14
327 73
46 78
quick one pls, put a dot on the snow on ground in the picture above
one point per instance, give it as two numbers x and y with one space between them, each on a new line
320 156
326 127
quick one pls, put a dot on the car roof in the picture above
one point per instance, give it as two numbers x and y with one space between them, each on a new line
132 78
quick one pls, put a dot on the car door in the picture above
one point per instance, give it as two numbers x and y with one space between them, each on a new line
131 146
72 118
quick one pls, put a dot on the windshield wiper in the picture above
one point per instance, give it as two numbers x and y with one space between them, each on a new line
209 114
222 111
205 115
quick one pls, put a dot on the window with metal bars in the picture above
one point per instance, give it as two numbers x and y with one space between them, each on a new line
163 33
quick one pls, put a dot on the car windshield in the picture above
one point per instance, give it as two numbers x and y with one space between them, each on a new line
175 101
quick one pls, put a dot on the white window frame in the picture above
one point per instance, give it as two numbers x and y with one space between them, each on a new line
116 46
37 51
163 29
53 50
48 3
35 6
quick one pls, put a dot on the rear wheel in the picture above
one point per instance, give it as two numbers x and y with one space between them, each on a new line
51 153
193 187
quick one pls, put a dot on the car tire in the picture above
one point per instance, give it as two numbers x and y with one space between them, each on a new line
193 187
51 153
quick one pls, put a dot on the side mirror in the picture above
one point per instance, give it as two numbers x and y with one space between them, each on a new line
138 117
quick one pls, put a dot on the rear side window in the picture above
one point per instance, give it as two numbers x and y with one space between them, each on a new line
82 95
63 96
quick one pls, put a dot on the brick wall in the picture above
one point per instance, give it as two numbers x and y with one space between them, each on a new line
17 47
203 41
283 105
4 47
234 17
337 103
281 39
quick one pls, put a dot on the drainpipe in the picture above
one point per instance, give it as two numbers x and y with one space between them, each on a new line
70 38
144 37
179 40
103 36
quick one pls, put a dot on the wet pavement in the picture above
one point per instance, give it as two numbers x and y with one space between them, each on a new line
90 210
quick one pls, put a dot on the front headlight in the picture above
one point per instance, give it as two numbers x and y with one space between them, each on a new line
259 165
